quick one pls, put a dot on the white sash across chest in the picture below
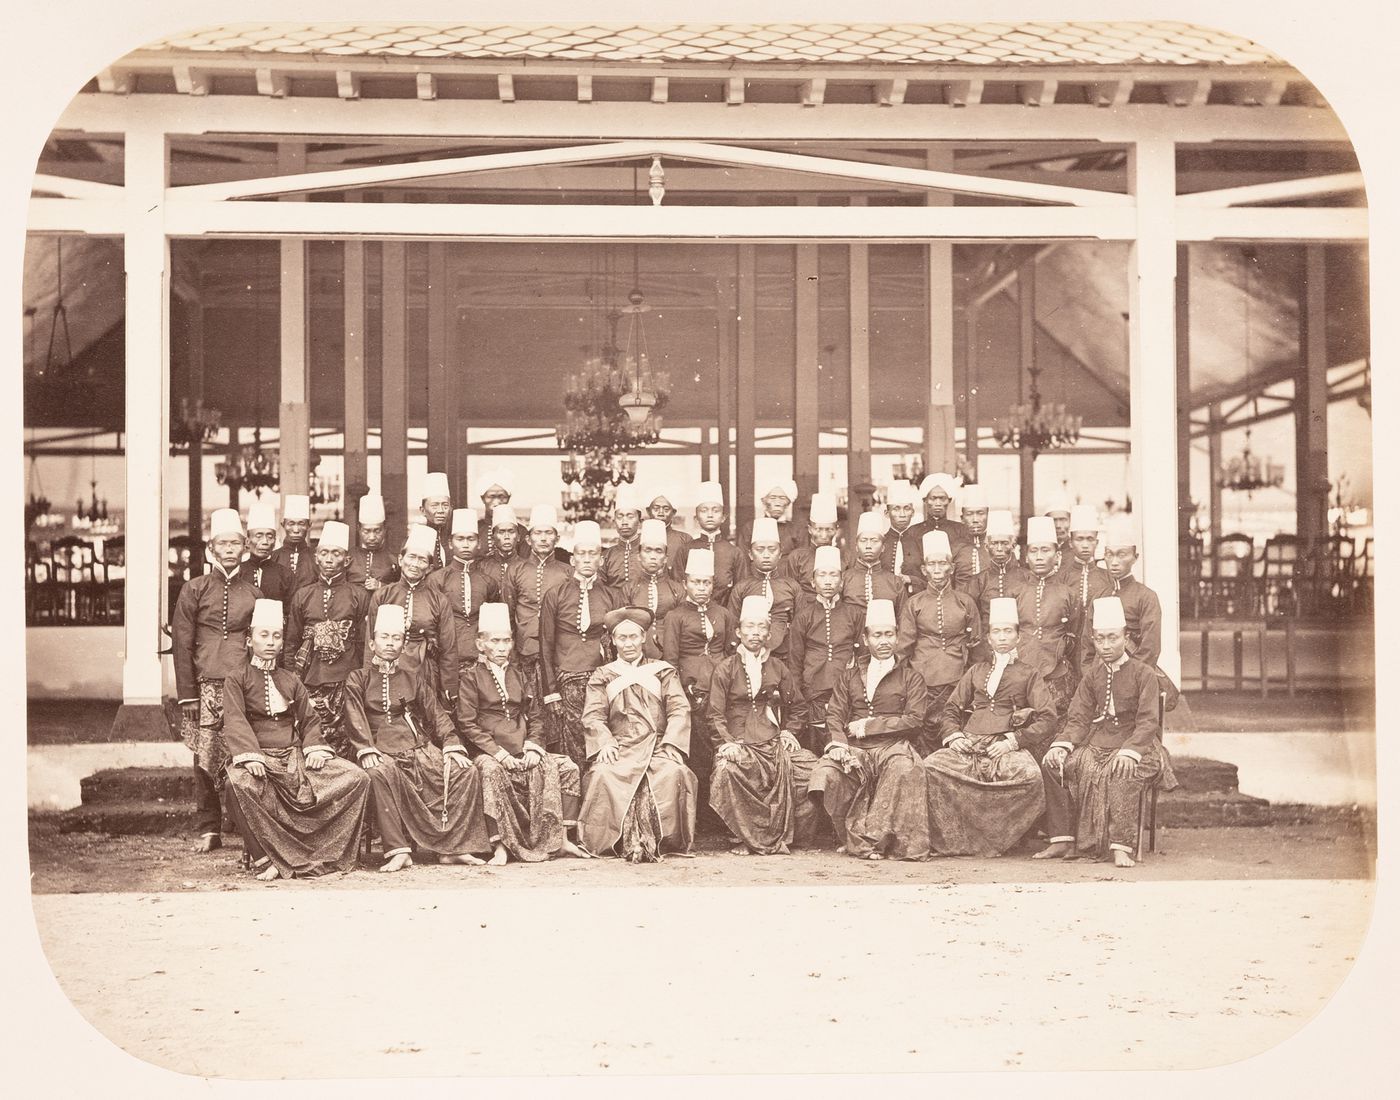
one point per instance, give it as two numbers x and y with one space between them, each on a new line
643 676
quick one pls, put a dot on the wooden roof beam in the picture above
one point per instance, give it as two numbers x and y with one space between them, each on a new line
1257 93
964 93
272 84
891 93
115 82
1036 93
190 81
1186 93
1276 191
1110 93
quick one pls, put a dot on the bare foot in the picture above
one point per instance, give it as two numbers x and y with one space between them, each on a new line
498 856
465 858
270 873
207 842
840 849
1058 850
874 855
397 863
575 850
1122 859
738 850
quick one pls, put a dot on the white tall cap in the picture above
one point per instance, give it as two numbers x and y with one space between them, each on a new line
1040 531
296 506
493 618
901 492
872 523
267 613
1003 612
765 529
422 539
879 613
1058 502
936 546
587 535
787 488
974 497
1108 613
390 618
435 485
827 558
700 563
652 533
1083 517
1000 525
710 492
335 535
464 521
666 493
224 521
627 499
756 609
543 515
262 517
947 482
823 508
371 508
1120 531
495 478
503 515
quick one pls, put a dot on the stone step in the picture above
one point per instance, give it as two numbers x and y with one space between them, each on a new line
1200 775
138 784
144 817
1187 809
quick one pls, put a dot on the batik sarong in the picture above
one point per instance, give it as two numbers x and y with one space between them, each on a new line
978 806
306 822
529 810
424 802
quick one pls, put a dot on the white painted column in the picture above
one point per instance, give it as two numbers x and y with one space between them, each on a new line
1152 380
147 264
940 414
294 402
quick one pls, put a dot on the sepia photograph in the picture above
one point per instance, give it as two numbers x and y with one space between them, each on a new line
566 548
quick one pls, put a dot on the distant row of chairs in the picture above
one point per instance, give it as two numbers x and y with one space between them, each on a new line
1277 580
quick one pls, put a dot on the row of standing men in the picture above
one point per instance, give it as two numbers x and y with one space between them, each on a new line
940 578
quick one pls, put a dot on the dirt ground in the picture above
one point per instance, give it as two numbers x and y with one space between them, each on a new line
752 979
1336 845
1221 945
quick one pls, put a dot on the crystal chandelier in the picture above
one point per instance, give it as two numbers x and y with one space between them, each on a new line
612 406
1035 426
249 466
1248 472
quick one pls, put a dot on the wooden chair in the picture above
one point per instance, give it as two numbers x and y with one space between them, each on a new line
1234 588
1280 575
1147 802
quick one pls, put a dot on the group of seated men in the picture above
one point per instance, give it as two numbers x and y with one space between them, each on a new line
482 695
